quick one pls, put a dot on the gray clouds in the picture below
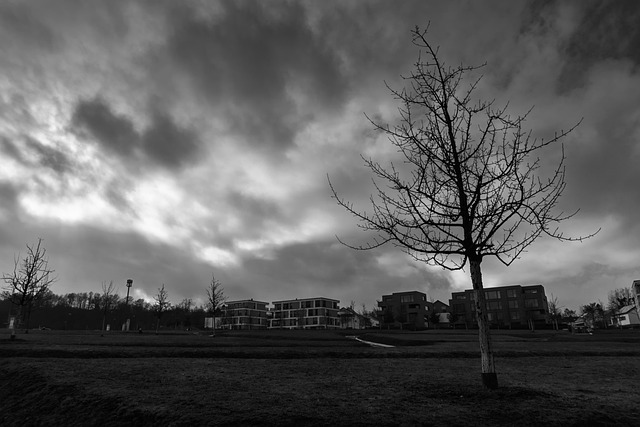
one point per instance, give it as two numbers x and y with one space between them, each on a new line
163 141
260 66
167 140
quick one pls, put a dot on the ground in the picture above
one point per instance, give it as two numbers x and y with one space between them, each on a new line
317 378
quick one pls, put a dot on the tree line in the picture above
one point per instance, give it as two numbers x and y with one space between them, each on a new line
27 299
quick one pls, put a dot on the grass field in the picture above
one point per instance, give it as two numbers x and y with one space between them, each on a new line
317 378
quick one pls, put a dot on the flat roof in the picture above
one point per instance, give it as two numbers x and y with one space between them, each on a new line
306 299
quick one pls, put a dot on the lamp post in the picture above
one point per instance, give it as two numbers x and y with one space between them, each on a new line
126 304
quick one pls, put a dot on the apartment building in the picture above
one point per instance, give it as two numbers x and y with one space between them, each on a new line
308 313
244 314
510 306
407 310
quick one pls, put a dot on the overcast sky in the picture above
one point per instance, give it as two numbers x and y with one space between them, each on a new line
169 141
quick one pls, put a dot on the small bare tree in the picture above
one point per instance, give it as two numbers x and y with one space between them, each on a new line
108 300
215 301
29 282
161 305
555 311
468 186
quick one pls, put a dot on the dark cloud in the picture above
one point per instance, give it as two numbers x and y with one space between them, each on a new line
327 268
36 154
8 199
257 214
605 30
167 143
26 29
113 131
50 157
164 142
10 149
247 61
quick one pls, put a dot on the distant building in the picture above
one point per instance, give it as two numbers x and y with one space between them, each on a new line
350 319
635 291
244 314
625 316
510 306
308 313
405 310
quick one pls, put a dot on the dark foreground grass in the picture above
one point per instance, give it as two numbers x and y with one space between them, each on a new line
317 388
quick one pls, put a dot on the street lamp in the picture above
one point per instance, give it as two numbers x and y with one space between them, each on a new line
126 304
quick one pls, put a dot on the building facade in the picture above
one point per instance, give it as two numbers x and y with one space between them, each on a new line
244 314
350 319
407 310
308 313
507 306
625 317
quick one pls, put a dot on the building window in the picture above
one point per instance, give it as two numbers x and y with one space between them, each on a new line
492 294
511 293
531 303
623 318
514 315
495 305
460 296
458 308
406 298
530 291
513 304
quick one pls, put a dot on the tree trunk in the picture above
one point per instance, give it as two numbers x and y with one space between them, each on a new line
489 376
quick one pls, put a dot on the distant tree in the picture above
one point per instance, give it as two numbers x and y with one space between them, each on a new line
400 315
434 319
161 305
184 307
453 318
388 316
215 300
108 300
366 316
376 313
569 315
593 313
619 298
29 282
555 313
468 185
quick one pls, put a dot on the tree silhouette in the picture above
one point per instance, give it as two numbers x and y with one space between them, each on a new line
29 282
108 300
215 300
161 305
468 186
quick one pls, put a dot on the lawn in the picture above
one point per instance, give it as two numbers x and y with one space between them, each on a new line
317 378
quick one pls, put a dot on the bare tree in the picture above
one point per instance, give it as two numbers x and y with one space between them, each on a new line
108 300
215 300
555 311
29 282
161 305
468 185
